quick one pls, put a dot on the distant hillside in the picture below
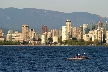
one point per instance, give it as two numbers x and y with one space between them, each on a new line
13 18
5 30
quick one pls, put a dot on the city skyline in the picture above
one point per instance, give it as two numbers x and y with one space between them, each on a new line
95 7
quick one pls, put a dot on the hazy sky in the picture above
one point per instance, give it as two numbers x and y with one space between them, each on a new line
99 7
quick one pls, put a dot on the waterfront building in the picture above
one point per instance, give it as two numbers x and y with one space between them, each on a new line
74 32
80 33
43 39
107 36
55 39
85 29
1 35
86 37
63 33
32 35
48 35
99 35
9 35
56 32
25 32
91 33
68 29
60 33
95 36
52 33
16 36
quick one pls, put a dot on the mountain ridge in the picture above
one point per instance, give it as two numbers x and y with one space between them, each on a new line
14 18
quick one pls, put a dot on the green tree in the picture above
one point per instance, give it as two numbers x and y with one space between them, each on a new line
95 42
60 40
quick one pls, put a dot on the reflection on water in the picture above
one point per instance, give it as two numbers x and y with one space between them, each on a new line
52 59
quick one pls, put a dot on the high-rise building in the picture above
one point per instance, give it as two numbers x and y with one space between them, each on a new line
48 35
63 33
9 35
99 24
80 33
68 29
44 29
74 32
32 34
85 29
60 32
55 39
25 32
107 37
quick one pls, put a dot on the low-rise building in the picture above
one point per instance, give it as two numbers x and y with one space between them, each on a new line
86 37
17 36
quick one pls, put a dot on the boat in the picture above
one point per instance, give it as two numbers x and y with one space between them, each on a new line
77 58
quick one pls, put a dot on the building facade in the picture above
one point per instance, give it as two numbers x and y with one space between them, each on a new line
32 35
74 32
85 29
63 33
25 32
43 39
68 29
9 35
106 37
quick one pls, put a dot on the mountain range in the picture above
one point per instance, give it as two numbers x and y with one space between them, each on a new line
14 18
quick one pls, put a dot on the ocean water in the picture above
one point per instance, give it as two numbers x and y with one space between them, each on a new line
53 59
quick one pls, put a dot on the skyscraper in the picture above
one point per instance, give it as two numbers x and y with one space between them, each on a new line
25 32
74 32
68 29
32 34
63 33
85 29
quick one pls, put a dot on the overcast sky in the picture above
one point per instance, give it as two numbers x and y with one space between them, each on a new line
99 7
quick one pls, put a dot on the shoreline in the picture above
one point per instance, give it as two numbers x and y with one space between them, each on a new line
54 45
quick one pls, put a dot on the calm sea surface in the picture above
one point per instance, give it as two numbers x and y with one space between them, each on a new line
53 59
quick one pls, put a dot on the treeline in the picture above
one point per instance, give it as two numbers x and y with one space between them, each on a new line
9 43
80 42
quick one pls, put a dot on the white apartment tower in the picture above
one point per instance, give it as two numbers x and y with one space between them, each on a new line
68 29
85 29
63 33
